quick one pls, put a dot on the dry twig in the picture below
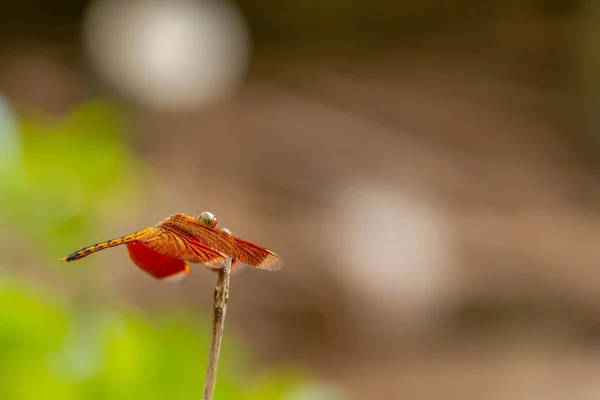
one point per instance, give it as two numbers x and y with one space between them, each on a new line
218 323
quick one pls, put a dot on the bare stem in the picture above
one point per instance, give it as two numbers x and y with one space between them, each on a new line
218 323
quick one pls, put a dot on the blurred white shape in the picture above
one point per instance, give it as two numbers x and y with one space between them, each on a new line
168 54
10 148
392 249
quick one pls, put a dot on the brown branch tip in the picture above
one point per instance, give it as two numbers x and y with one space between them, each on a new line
218 323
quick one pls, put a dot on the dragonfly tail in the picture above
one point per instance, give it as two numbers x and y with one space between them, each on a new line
86 251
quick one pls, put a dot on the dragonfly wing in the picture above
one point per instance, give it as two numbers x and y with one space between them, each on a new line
170 242
156 264
197 250
257 256
236 248
208 236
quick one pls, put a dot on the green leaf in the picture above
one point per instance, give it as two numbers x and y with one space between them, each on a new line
53 351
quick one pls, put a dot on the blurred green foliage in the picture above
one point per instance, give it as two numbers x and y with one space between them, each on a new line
55 185
69 173
47 351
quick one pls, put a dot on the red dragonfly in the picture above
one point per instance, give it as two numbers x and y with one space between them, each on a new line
162 250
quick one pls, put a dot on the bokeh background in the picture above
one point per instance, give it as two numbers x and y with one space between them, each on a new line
427 170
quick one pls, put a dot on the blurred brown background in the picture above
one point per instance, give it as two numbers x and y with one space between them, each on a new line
427 171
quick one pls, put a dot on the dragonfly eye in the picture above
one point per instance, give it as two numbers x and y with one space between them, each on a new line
208 219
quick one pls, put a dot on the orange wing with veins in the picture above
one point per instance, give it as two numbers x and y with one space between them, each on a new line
171 242
234 247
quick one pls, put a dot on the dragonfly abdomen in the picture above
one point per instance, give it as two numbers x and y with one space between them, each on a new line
86 251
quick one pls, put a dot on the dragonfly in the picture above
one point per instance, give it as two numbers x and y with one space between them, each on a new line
164 251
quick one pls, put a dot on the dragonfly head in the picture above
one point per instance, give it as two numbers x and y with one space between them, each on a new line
208 219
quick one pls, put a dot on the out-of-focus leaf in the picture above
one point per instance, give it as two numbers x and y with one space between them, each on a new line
49 350
73 171
275 385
